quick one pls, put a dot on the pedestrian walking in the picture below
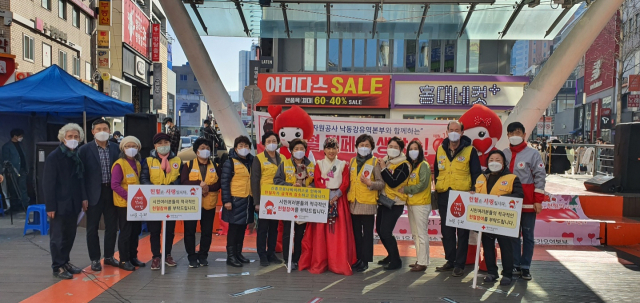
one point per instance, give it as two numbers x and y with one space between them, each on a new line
174 135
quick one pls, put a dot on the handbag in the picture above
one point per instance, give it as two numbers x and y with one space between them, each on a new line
386 201
583 168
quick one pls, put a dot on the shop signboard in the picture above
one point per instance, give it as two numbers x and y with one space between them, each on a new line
104 9
192 110
600 64
605 118
157 85
456 91
155 42
633 101
103 39
135 27
634 83
325 90
103 58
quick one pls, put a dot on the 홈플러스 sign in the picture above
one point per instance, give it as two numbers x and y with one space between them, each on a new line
163 202
288 203
498 215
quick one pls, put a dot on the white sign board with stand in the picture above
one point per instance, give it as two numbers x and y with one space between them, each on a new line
164 203
498 215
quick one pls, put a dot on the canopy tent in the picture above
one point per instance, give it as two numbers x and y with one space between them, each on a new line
53 91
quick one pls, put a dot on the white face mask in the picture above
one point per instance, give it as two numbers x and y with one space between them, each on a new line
515 140
20 139
392 152
243 152
102 136
413 154
71 143
495 166
167 126
204 153
163 150
298 154
272 147
364 151
131 152
454 137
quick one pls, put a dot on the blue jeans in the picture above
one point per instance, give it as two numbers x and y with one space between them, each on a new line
522 257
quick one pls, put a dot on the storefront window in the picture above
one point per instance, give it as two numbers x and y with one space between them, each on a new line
436 54
461 56
347 54
372 51
333 63
398 55
321 59
423 55
358 55
449 56
309 54
383 55
410 58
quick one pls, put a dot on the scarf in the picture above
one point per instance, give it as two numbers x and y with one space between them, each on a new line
514 151
76 159
165 162
361 160
396 160
328 168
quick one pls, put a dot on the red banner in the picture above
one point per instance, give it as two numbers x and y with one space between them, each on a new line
633 101
634 83
135 28
600 65
346 91
155 42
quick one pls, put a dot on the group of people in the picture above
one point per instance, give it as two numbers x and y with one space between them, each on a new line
365 192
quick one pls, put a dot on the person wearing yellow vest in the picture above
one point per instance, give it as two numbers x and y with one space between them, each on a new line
498 180
124 172
236 195
202 172
263 170
418 191
162 167
298 171
395 174
456 167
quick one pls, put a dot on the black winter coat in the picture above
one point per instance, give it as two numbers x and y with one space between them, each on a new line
62 187
242 207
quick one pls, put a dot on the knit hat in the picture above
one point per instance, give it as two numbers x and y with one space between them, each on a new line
161 136
129 139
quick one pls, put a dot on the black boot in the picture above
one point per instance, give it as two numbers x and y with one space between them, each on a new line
231 257
239 255
127 266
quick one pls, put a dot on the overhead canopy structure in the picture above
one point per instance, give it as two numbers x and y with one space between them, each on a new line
53 90
390 19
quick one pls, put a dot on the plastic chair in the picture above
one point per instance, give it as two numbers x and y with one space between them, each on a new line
39 222
144 228
1 206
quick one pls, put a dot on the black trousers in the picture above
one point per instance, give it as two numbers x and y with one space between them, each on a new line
62 233
104 208
455 256
267 237
129 235
385 223
298 230
235 234
506 253
206 234
363 234
155 228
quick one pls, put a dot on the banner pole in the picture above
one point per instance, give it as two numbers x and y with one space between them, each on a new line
290 247
164 239
475 269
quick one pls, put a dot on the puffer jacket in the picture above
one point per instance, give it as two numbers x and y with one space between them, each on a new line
242 207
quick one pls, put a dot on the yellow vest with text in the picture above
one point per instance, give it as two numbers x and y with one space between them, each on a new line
392 193
503 186
268 169
241 181
454 174
423 197
211 199
290 172
358 190
129 176
158 176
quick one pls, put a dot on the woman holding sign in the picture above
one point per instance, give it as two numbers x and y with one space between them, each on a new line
498 180
126 171
331 245
395 173
365 181
298 172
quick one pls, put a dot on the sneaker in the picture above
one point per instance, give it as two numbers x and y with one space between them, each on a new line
194 264
384 261
155 263
457 272
525 275
62 274
112 262
273 259
169 261
203 261
96 266
517 271
505 281
72 269
490 278
446 267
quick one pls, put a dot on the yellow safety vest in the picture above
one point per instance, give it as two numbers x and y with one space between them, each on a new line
129 176
358 190
454 174
267 169
290 172
423 197
503 186
211 199
392 193
158 176
241 181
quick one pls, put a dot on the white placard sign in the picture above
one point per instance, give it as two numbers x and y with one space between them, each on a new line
498 215
164 202
288 203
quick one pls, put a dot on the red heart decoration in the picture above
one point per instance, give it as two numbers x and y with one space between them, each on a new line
568 235
591 236
432 231
579 239
483 145
366 173
403 231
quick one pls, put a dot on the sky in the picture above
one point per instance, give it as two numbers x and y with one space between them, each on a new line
225 59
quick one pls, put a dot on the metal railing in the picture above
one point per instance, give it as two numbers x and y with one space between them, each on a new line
590 159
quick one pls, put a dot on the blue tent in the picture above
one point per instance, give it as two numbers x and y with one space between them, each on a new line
53 91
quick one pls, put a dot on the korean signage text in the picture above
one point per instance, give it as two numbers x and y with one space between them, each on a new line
163 202
498 215
155 42
103 58
633 101
135 27
103 39
157 85
294 203
104 17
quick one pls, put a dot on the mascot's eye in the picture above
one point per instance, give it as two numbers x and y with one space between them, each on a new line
482 134
298 135
282 135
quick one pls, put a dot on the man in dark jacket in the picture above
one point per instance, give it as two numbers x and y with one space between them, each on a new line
174 134
63 174
210 134
97 197
456 167
13 152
